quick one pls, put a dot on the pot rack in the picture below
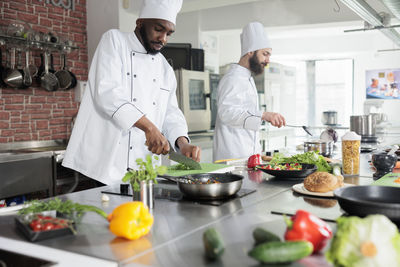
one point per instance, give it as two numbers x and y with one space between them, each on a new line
64 47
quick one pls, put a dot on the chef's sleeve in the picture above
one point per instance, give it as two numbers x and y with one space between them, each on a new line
109 91
232 110
174 125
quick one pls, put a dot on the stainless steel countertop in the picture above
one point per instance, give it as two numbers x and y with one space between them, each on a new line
175 239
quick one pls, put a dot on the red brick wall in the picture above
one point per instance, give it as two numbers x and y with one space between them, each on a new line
33 113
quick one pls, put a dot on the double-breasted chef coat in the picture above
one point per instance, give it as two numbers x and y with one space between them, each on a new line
124 84
238 118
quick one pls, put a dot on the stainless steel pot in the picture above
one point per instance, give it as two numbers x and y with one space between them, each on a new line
228 185
329 117
324 148
364 125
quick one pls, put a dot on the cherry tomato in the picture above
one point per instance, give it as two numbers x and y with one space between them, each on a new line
48 226
36 225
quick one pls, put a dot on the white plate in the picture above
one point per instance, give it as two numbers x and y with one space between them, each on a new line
299 188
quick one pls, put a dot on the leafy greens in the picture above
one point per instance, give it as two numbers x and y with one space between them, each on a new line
309 158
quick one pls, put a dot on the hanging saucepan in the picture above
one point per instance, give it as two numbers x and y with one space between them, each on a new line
2 84
74 81
208 186
12 76
24 71
64 76
48 81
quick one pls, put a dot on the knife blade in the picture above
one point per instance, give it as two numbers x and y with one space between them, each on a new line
175 156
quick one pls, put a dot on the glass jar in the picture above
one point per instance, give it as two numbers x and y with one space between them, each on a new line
351 154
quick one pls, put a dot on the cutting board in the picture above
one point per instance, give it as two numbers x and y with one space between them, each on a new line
206 167
388 180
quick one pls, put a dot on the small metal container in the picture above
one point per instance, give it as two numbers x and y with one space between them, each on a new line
146 193
324 148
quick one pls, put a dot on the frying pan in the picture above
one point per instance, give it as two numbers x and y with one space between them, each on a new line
365 200
64 76
229 184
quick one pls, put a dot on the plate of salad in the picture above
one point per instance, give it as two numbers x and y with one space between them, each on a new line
288 170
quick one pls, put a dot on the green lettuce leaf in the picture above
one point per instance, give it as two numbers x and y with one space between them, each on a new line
363 242
309 157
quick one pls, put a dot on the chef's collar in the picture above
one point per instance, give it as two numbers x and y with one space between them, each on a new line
241 70
138 45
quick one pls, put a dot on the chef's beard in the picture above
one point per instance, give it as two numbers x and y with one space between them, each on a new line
255 65
147 43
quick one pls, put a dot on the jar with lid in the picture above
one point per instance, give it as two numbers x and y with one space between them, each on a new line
351 154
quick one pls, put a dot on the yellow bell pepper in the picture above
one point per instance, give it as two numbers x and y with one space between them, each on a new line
130 220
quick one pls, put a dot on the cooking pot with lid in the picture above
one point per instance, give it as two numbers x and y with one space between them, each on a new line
329 117
322 147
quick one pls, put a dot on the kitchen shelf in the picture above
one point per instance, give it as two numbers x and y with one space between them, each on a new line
35 44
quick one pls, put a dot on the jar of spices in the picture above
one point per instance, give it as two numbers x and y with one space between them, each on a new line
351 154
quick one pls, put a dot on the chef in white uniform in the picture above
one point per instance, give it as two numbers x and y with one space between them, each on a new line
129 108
238 117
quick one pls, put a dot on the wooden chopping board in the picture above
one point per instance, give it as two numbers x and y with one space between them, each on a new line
206 167
388 180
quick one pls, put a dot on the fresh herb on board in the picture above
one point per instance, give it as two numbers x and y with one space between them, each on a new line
146 172
180 167
309 158
67 207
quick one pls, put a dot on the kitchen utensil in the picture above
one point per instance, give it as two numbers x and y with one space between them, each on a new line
64 76
27 81
74 81
48 81
383 162
393 150
364 125
322 147
12 76
365 200
229 184
33 70
175 156
306 170
305 128
329 117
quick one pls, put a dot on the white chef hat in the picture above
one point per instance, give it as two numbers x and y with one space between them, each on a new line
253 37
160 9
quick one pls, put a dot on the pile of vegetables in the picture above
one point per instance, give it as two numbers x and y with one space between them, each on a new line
286 167
309 157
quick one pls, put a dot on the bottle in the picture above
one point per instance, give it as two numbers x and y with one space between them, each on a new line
351 154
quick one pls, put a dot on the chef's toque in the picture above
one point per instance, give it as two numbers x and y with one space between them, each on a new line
160 9
253 37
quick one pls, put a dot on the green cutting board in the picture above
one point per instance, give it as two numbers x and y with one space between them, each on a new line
388 180
205 167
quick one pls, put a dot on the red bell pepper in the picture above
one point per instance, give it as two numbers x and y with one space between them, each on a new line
254 160
306 226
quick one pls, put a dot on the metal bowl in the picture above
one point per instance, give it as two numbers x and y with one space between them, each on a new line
324 148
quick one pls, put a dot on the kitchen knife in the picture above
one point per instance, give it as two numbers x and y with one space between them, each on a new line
178 157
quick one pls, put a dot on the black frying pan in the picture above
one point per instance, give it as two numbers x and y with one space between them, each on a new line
365 200
194 185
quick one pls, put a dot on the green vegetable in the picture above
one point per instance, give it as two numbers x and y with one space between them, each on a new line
68 208
336 169
309 157
281 252
262 236
180 167
146 172
213 244
371 241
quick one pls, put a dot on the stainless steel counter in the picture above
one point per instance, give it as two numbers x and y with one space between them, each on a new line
175 239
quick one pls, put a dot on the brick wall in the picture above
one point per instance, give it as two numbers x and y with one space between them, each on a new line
34 113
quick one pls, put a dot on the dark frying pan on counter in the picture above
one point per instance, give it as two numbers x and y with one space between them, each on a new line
372 199
207 186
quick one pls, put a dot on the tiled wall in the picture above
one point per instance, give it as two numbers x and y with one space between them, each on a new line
34 113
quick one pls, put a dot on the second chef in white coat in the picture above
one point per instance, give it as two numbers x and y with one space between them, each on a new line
238 117
130 100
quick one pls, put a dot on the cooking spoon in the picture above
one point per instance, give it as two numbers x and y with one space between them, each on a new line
305 128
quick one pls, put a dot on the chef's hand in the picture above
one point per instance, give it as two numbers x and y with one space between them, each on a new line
155 141
274 118
187 149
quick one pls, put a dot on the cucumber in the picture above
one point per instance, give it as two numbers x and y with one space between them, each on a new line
213 244
281 252
262 236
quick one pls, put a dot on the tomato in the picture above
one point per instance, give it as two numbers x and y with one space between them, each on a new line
36 225
48 226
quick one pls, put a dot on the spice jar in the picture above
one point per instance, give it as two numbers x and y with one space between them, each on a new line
351 154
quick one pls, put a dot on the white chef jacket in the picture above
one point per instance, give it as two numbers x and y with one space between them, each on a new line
238 118
124 84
